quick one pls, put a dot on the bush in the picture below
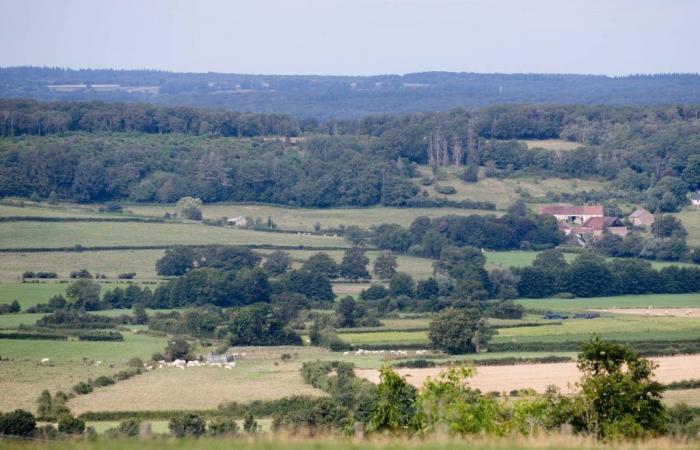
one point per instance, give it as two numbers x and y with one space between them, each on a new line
129 427
17 423
82 273
82 388
223 426
136 363
68 424
103 381
127 276
446 190
187 425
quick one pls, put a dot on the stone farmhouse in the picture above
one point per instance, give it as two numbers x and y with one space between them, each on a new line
641 218
573 214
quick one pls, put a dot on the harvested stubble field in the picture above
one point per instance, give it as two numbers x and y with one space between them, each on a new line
540 376
108 234
260 375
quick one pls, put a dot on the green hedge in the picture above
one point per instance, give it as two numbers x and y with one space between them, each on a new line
34 336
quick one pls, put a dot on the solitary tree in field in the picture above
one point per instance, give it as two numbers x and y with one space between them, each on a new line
459 331
385 265
354 264
190 208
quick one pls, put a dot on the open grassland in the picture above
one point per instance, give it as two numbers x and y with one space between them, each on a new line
31 209
540 376
622 301
61 234
21 381
139 345
335 443
29 294
110 263
690 217
71 361
305 218
618 327
557 145
260 375
503 192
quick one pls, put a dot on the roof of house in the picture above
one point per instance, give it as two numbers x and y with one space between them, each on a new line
600 223
562 210
639 212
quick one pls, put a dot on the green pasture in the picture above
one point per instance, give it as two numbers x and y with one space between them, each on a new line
140 345
622 301
29 294
690 217
67 234
110 263
504 192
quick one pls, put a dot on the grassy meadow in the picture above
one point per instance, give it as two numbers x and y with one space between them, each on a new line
503 192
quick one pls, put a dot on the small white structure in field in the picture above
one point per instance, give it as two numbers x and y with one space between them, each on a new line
695 198
238 222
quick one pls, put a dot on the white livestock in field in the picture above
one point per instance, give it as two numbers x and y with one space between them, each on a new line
45 360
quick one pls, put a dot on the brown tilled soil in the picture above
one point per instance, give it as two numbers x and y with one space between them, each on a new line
539 376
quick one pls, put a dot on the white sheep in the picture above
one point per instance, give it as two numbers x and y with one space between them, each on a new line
346 353
45 360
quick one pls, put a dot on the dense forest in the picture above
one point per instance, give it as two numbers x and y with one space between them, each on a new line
325 97
96 151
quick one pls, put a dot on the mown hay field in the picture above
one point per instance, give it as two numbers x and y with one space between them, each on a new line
690 217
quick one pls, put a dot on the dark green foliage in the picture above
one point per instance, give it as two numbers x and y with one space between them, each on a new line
176 261
260 325
214 287
385 265
402 284
83 294
178 348
391 237
506 310
350 313
618 397
354 264
427 289
187 425
277 263
395 406
223 426
17 423
375 292
314 285
68 424
459 331
250 425
666 226
323 264
129 427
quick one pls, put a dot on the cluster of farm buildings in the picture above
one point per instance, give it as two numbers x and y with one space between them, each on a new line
591 221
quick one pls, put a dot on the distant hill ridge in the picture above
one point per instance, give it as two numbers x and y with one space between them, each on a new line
323 97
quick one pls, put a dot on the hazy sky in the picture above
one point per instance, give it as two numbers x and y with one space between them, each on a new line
355 36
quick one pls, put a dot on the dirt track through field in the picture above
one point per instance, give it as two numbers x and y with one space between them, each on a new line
539 376
661 312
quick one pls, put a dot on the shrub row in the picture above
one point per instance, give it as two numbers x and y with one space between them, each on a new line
101 248
424 363
693 383
33 336
644 348
100 336
83 387
79 219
